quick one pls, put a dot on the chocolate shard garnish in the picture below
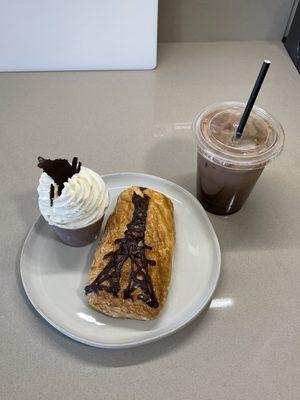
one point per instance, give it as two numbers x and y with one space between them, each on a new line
52 188
132 246
60 170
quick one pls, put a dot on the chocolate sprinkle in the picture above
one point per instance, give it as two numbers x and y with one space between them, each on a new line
60 170
132 246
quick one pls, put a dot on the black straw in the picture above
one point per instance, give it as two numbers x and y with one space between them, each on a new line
252 98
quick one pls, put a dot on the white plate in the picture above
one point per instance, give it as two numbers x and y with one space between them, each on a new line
54 275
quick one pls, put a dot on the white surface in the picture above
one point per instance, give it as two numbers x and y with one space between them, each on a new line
54 275
77 35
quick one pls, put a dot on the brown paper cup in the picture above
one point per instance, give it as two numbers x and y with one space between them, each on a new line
79 237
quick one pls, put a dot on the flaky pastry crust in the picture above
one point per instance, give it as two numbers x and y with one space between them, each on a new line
159 235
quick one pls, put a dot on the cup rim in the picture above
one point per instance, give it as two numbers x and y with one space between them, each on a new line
235 161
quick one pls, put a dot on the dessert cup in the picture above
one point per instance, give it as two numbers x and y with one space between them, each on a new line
79 236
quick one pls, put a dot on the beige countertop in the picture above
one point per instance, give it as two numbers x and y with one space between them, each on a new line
244 347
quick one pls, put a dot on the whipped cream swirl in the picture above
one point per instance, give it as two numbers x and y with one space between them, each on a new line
82 201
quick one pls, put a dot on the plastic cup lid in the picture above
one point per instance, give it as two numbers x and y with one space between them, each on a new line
261 142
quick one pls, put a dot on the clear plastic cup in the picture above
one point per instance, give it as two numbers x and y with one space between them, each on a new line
228 167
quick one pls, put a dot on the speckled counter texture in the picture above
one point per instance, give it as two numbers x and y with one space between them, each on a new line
246 347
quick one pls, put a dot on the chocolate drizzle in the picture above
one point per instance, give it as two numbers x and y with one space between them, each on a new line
132 247
60 170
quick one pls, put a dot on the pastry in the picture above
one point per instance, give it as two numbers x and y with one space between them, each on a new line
130 274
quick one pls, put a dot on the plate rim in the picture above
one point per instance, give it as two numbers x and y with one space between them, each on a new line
188 319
